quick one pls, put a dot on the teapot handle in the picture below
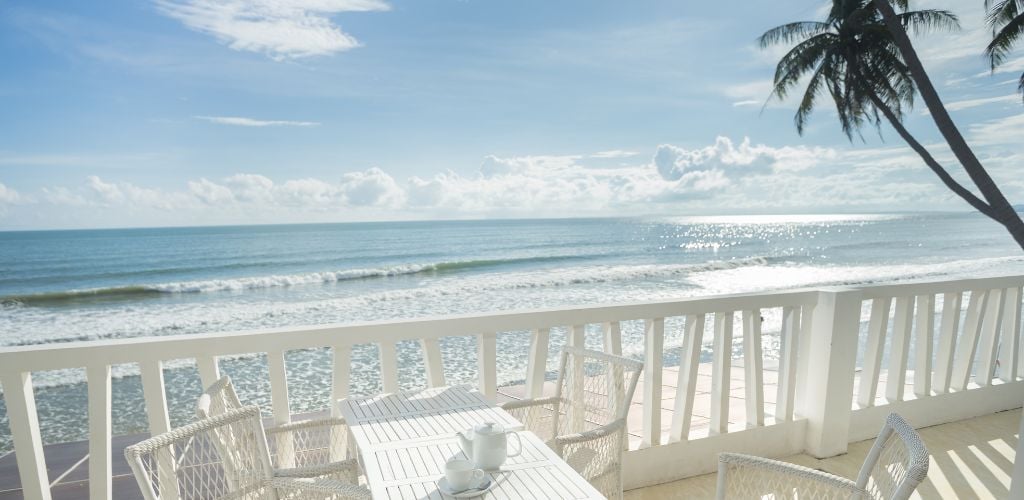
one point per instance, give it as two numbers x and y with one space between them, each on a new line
519 445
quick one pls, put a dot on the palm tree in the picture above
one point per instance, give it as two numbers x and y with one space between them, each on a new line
862 57
1006 18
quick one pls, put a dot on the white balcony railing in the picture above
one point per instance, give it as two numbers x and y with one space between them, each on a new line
817 401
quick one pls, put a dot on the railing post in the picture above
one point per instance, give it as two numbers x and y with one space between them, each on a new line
831 361
98 377
28 445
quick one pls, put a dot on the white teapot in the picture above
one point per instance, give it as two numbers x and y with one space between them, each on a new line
487 445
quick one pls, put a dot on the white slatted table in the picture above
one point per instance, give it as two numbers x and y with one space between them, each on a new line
404 440
440 411
411 469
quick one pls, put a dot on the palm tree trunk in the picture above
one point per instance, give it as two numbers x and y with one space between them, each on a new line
929 160
1001 209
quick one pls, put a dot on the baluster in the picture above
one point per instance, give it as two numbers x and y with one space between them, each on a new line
1009 345
21 411
433 361
686 387
156 410
616 383
156 400
654 343
209 372
790 338
537 364
342 360
902 322
924 342
803 365
577 336
968 345
613 338
721 373
98 380
753 362
340 376
389 366
951 303
989 342
878 325
487 359
280 404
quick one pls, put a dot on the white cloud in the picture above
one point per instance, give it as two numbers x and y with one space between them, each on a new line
973 103
108 193
673 162
751 102
372 187
8 195
252 122
725 176
281 29
210 193
1000 131
750 93
614 153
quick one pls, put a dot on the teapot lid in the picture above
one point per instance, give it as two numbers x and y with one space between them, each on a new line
488 428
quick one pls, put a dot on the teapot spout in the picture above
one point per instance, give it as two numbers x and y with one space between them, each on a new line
466 444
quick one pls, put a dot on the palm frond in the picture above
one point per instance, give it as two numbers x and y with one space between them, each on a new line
792 32
803 112
798 61
927 21
1003 12
1021 86
1004 40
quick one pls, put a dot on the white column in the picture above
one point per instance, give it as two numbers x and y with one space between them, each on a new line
828 390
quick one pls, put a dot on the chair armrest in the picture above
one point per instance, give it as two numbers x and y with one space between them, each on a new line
527 403
305 425
758 475
590 435
319 488
345 468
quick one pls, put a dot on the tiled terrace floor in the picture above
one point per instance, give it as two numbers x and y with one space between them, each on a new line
971 459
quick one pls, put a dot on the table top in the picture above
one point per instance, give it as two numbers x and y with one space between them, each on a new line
410 470
428 413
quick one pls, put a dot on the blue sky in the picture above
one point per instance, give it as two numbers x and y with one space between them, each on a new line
179 112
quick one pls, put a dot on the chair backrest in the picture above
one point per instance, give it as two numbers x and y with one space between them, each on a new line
897 462
218 399
594 389
222 456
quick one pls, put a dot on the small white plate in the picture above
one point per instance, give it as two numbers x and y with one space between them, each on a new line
445 488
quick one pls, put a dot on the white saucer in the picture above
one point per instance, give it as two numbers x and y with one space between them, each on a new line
443 487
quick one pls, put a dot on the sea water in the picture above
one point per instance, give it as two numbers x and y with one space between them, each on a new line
63 286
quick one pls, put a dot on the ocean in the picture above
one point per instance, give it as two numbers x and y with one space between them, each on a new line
62 286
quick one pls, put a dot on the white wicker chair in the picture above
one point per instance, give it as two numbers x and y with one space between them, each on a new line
308 448
892 470
585 421
223 457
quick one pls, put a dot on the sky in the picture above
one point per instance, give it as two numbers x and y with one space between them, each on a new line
127 113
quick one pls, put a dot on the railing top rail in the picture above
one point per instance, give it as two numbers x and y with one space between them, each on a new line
940 286
85 353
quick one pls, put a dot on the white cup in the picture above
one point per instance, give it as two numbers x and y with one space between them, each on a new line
461 474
